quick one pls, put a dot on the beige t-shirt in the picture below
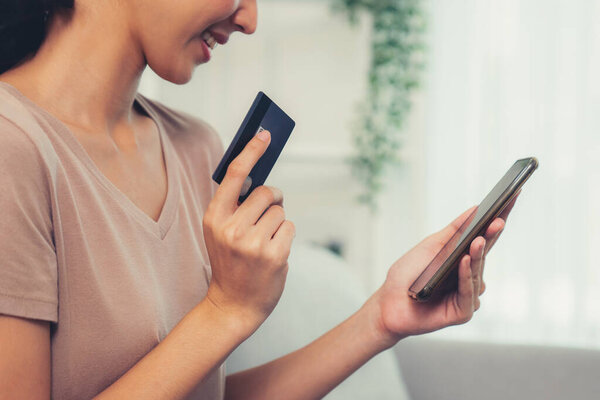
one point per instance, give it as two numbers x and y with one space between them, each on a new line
76 251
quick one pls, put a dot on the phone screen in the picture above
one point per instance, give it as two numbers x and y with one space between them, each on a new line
514 173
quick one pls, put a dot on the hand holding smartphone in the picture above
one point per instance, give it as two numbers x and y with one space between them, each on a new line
445 262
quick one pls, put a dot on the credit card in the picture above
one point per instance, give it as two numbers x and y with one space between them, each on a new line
264 114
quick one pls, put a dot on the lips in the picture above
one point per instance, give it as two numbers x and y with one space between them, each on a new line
209 39
221 39
218 37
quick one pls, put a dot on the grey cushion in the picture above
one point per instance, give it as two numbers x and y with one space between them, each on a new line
436 369
320 293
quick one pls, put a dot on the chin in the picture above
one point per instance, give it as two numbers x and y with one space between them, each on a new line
178 73
179 77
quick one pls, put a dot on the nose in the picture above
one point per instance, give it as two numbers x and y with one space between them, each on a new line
245 17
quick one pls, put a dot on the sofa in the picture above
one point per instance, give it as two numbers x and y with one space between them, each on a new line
320 292
436 369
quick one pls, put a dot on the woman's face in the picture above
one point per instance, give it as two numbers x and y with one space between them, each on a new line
170 31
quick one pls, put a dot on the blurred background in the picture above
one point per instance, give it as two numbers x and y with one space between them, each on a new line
501 80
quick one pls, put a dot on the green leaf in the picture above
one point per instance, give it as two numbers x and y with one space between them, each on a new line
397 51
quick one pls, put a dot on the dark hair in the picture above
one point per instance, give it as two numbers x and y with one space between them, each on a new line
23 27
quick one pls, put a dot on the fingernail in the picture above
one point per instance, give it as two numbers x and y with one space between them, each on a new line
263 135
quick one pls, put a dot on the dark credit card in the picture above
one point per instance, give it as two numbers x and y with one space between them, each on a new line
264 114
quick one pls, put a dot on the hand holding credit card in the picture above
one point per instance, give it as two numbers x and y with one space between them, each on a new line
264 114
249 242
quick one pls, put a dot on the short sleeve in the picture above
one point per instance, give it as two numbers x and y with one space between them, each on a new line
28 265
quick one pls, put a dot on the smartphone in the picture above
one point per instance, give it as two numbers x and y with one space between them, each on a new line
445 262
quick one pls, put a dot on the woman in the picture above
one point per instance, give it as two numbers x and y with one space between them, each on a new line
126 273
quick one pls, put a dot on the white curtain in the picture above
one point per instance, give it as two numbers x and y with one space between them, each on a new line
509 79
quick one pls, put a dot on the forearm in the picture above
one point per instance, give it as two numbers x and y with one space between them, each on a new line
314 370
197 345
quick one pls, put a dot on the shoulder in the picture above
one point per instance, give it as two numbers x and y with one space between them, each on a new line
23 138
185 130
25 177
18 149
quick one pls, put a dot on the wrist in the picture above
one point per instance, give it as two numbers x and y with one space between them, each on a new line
237 319
372 317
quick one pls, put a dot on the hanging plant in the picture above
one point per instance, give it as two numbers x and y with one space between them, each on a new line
396 61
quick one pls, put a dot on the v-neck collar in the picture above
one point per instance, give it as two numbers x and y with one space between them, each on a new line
168 212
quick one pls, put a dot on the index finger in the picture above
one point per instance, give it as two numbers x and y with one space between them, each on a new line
228 192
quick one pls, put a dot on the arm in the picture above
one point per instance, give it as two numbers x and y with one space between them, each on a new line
170 371
184 358
24 358
388 316
314 370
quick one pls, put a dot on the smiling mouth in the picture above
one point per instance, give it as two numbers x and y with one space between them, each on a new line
209 39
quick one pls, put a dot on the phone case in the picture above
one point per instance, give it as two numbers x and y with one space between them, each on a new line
443 264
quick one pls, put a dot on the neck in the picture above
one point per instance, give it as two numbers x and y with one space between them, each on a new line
86 72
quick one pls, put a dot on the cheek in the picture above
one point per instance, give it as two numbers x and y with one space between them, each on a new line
173 63
170 51
167 32
227 6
